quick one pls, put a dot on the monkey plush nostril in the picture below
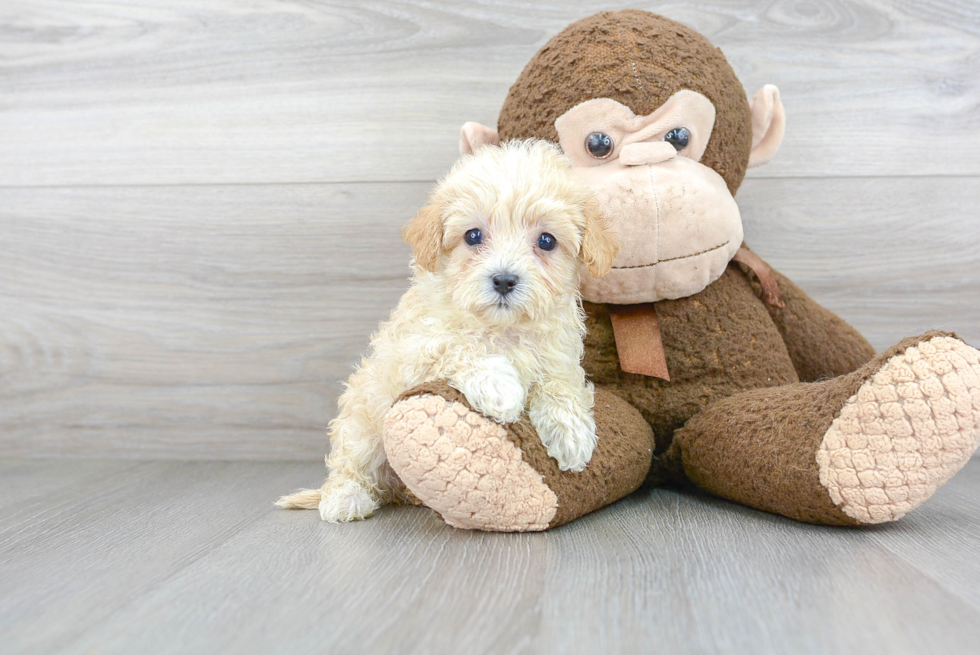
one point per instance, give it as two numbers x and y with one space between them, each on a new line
647 152
504 283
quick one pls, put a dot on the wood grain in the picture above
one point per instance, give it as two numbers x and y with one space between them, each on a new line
199 212
209 321
942 540
175 92
894 256
199 322
24 481
108 541
191 557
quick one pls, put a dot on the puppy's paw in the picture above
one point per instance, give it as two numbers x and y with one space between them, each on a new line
568 434
346 501
495 390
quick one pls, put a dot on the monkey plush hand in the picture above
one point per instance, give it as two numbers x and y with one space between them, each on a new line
710 367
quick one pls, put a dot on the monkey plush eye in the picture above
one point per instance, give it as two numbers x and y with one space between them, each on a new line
678 137
547 242
599 145
473 237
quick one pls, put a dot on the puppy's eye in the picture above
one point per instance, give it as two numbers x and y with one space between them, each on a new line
547 242
473 237
678 137
599 145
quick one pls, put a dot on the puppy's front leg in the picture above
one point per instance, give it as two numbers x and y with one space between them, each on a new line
561 412
492 386
344 498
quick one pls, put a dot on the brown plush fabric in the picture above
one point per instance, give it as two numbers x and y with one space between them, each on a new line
771 294
639 59
618 467
754 385
717 343
821 344
759 447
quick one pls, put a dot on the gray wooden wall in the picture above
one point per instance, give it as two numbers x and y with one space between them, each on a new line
200 201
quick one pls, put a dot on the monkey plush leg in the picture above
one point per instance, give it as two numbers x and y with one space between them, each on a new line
820 343
481 475
867 447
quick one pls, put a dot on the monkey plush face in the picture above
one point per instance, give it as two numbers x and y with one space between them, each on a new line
658 126
678 224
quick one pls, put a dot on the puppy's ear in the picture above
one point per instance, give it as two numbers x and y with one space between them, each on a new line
424 233
599 246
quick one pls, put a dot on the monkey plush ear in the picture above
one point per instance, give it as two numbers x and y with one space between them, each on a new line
473 135
768 124
424 233
599 246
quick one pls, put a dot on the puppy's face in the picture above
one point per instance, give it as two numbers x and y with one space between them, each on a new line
506 231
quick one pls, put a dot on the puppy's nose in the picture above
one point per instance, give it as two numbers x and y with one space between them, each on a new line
504 283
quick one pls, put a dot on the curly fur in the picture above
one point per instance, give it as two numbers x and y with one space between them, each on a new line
505 353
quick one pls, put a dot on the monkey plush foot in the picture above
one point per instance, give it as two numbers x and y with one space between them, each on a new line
480 475
907 430
865 447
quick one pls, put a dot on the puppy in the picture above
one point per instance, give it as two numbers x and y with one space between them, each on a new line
493 308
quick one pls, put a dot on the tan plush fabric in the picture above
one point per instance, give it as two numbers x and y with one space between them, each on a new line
677 220
905 432
485 478
640 60
463 465
632 134
678 228
768 125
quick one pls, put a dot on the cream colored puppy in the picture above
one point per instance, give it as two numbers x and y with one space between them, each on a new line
494 308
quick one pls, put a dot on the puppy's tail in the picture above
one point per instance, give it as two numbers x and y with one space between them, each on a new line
302 499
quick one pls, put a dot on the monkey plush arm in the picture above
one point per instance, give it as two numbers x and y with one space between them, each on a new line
820 343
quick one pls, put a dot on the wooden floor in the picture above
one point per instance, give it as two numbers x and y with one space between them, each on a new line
191 557
199 213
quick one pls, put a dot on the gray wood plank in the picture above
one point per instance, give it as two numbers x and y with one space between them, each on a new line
892 256
150 92
697 574
661 570
75 557
219 320
945 541
25 480
200 322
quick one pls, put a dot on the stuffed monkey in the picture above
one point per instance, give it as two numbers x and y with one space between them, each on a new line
710 367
